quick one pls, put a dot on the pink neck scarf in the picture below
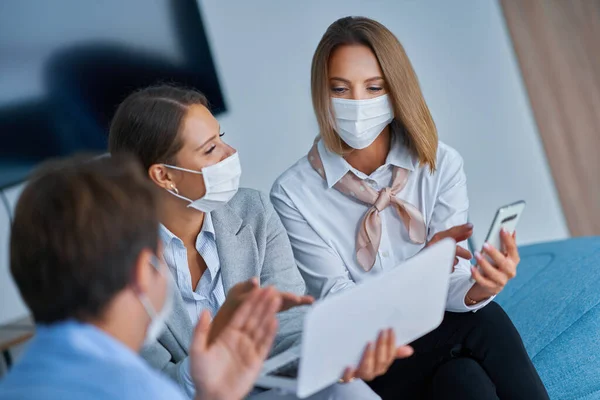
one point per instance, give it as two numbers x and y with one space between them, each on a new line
369 232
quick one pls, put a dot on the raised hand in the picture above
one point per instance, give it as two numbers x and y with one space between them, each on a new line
228 367
492 276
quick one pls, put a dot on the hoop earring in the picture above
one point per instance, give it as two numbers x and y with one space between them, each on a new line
174 189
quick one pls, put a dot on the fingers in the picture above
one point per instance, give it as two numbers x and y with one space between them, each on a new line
458 233
245 310
436 238
510 245
501 262
367 363
267 306
487 284
266 335
491 272
378 357
404 352
201 332
383 352
243 287
463 253
390 354
306 300
349 375
291 300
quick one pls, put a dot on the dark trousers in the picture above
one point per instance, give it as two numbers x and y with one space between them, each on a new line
469 356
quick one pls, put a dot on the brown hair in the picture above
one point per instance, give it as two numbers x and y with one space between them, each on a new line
410 109
79 227
147 123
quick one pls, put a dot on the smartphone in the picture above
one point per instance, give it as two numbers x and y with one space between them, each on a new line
507 218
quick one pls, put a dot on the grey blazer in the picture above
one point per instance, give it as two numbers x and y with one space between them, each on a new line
251 241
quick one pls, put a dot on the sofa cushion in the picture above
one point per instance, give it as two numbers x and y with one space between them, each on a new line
553 302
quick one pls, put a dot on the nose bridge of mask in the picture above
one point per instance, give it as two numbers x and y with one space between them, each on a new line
359 110
361 127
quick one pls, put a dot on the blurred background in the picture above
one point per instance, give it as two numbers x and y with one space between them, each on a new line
498 91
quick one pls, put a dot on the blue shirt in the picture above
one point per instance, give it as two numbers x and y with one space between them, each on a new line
72 360
209 293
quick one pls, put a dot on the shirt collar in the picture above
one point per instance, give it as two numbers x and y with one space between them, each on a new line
207 233
166 236
336 166
208 226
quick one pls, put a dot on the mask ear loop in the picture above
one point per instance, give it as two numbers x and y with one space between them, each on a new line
173 188
155 262
142 297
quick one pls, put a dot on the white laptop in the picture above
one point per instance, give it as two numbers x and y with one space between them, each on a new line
410 298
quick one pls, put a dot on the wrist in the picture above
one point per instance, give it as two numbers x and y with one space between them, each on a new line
476 295
207 395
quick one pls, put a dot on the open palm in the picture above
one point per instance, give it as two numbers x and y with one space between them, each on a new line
228 367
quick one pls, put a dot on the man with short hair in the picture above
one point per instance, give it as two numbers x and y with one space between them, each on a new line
85 256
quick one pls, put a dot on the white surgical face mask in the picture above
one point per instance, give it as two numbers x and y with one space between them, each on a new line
221 180
158 319
359 122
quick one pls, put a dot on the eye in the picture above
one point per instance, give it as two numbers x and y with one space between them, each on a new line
221 134
211 149
374 89
338 90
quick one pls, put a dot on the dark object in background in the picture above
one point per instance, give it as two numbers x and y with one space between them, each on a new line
85 79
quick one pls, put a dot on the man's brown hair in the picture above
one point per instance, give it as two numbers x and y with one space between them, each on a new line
79 227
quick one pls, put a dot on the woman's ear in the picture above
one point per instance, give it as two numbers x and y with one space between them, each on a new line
161 176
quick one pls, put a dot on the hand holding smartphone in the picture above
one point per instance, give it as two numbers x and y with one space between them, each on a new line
507 217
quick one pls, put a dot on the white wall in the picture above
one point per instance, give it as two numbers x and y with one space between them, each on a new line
463 57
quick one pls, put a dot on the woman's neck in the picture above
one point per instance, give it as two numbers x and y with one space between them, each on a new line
370 158
184 222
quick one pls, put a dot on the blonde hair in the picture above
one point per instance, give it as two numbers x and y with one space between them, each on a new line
410 109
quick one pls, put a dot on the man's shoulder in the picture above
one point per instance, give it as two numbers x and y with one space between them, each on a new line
86 383
67 374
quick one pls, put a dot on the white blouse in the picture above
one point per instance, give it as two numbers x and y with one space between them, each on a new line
322 223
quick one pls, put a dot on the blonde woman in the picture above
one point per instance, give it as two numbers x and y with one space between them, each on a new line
375 190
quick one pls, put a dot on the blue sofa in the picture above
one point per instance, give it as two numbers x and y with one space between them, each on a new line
555 304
